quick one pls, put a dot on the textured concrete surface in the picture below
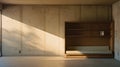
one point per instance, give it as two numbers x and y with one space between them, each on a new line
56 62
116 19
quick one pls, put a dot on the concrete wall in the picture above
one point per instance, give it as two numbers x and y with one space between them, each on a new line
0 29
116 18
40 30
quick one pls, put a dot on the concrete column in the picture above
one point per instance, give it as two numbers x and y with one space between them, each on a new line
0 29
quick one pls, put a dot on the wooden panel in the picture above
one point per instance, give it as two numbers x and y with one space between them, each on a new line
88 26
102 13
112 36
0 33
87 34
52 38
79 33
88 13
11 31
82 41
33 30
87 29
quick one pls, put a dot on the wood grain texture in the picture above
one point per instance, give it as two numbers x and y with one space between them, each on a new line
88 34
112 33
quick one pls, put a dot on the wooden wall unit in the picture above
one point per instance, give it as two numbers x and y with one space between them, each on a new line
89 34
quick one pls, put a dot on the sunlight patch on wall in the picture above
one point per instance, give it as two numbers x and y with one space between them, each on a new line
11 38
32 40
52 43
18 36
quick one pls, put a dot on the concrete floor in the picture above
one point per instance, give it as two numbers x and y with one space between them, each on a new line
56 62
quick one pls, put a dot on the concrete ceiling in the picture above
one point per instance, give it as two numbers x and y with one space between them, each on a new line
59 2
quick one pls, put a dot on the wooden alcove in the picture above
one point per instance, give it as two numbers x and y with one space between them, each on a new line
89 39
